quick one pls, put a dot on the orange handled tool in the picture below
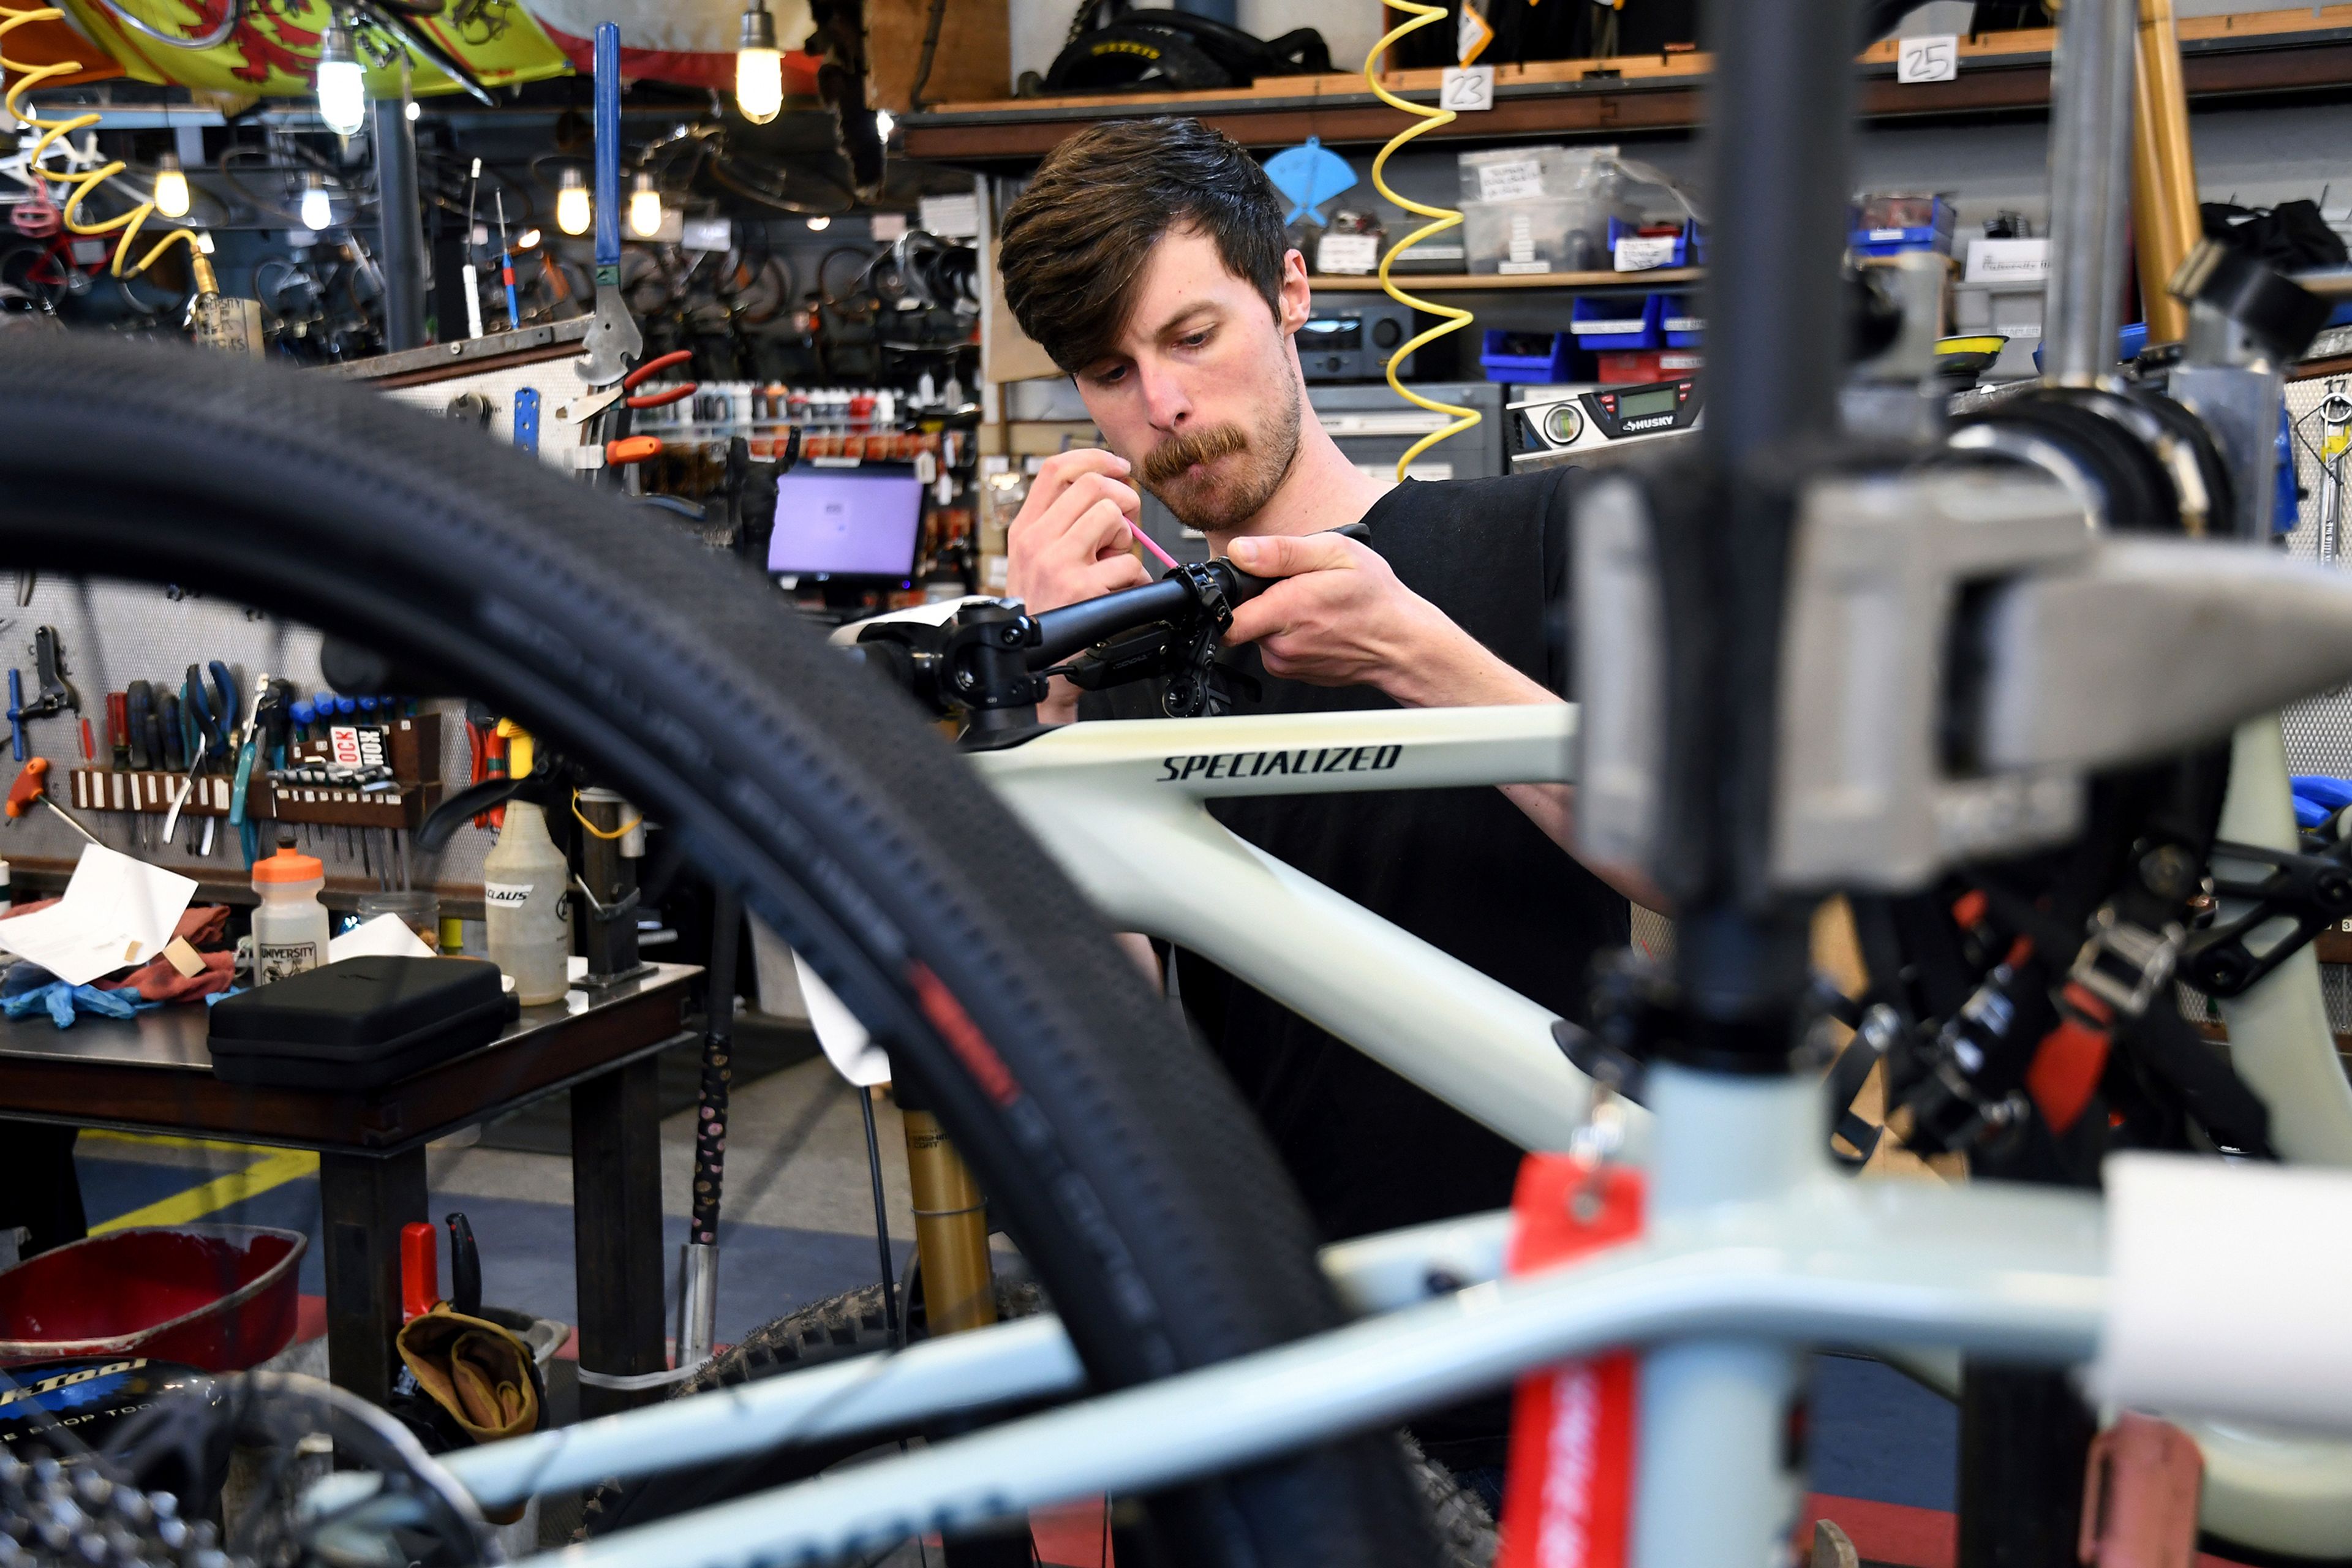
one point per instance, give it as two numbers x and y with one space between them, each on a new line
631 449
32 784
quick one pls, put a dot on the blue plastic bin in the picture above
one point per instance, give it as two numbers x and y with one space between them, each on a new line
1678 318
1618 229
1935 235
1603 323
1513 356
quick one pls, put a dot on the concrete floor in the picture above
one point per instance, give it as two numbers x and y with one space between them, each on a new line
799 1226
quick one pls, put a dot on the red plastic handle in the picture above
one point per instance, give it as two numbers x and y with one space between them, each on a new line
646 371
29 786
633 449
420 1270
667 395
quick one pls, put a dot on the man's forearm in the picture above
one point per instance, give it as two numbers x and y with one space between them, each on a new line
1457 671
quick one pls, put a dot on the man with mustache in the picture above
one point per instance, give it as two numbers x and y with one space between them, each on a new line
1150 258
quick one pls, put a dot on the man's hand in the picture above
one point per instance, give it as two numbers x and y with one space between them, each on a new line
1071 541
1341 618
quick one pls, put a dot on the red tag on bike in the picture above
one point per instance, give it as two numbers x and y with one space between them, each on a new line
1568 1495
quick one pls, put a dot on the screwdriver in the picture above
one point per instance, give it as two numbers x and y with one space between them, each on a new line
32 784
169 739
118 729
138 712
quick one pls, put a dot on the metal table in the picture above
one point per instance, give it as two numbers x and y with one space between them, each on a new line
154 1074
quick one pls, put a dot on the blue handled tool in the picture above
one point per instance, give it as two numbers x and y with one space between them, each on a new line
505 263
265 697
17 712
224 712
613 340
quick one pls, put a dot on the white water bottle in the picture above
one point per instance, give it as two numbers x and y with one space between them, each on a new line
525 881
290 924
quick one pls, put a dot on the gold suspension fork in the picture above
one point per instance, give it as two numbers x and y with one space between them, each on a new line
951 1229
2164 172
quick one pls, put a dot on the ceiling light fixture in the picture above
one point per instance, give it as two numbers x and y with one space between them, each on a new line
170 187
317 210
645 207
572 212
342 90
758 66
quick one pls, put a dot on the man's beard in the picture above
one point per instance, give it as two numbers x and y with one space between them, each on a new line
1219 501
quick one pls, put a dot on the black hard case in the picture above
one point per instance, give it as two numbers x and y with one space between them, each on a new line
358 1023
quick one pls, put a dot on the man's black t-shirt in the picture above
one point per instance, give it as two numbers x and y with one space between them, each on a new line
1464 869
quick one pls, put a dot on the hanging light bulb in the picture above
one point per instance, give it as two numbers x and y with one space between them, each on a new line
645 207
171 188
342 90
317 211
572 212
758 66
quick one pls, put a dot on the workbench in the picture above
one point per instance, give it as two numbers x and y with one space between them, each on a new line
154 1074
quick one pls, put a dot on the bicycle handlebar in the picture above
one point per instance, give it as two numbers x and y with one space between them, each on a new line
1184 591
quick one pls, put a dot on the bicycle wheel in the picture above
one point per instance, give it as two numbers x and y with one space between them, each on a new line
1150 1208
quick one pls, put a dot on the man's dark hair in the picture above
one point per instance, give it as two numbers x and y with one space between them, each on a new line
1075 240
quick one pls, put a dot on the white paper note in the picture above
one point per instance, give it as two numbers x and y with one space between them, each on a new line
117 911
386 936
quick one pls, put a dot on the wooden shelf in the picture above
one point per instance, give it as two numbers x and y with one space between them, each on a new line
1446 282
2249 53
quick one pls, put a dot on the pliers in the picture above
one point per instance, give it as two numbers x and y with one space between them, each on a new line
587 405
269 701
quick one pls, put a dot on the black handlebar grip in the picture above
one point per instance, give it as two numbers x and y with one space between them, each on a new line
1242 587
1064 632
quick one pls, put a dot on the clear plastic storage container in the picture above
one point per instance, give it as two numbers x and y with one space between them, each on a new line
1538 209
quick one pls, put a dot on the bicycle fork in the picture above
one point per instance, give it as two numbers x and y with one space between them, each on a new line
958 1285
951 1228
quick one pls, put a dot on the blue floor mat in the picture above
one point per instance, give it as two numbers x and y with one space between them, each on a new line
111 1187
1878 1435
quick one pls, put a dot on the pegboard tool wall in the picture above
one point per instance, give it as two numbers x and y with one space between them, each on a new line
113 633
2319 730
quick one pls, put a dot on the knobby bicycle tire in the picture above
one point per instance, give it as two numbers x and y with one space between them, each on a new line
1129 1172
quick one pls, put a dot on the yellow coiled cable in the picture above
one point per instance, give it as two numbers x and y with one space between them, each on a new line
22 76
1443 218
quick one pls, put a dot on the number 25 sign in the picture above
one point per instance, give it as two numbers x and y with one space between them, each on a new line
1932 59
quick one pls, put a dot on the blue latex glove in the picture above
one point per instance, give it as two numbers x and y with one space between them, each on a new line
2332 793
62 1001
22 976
